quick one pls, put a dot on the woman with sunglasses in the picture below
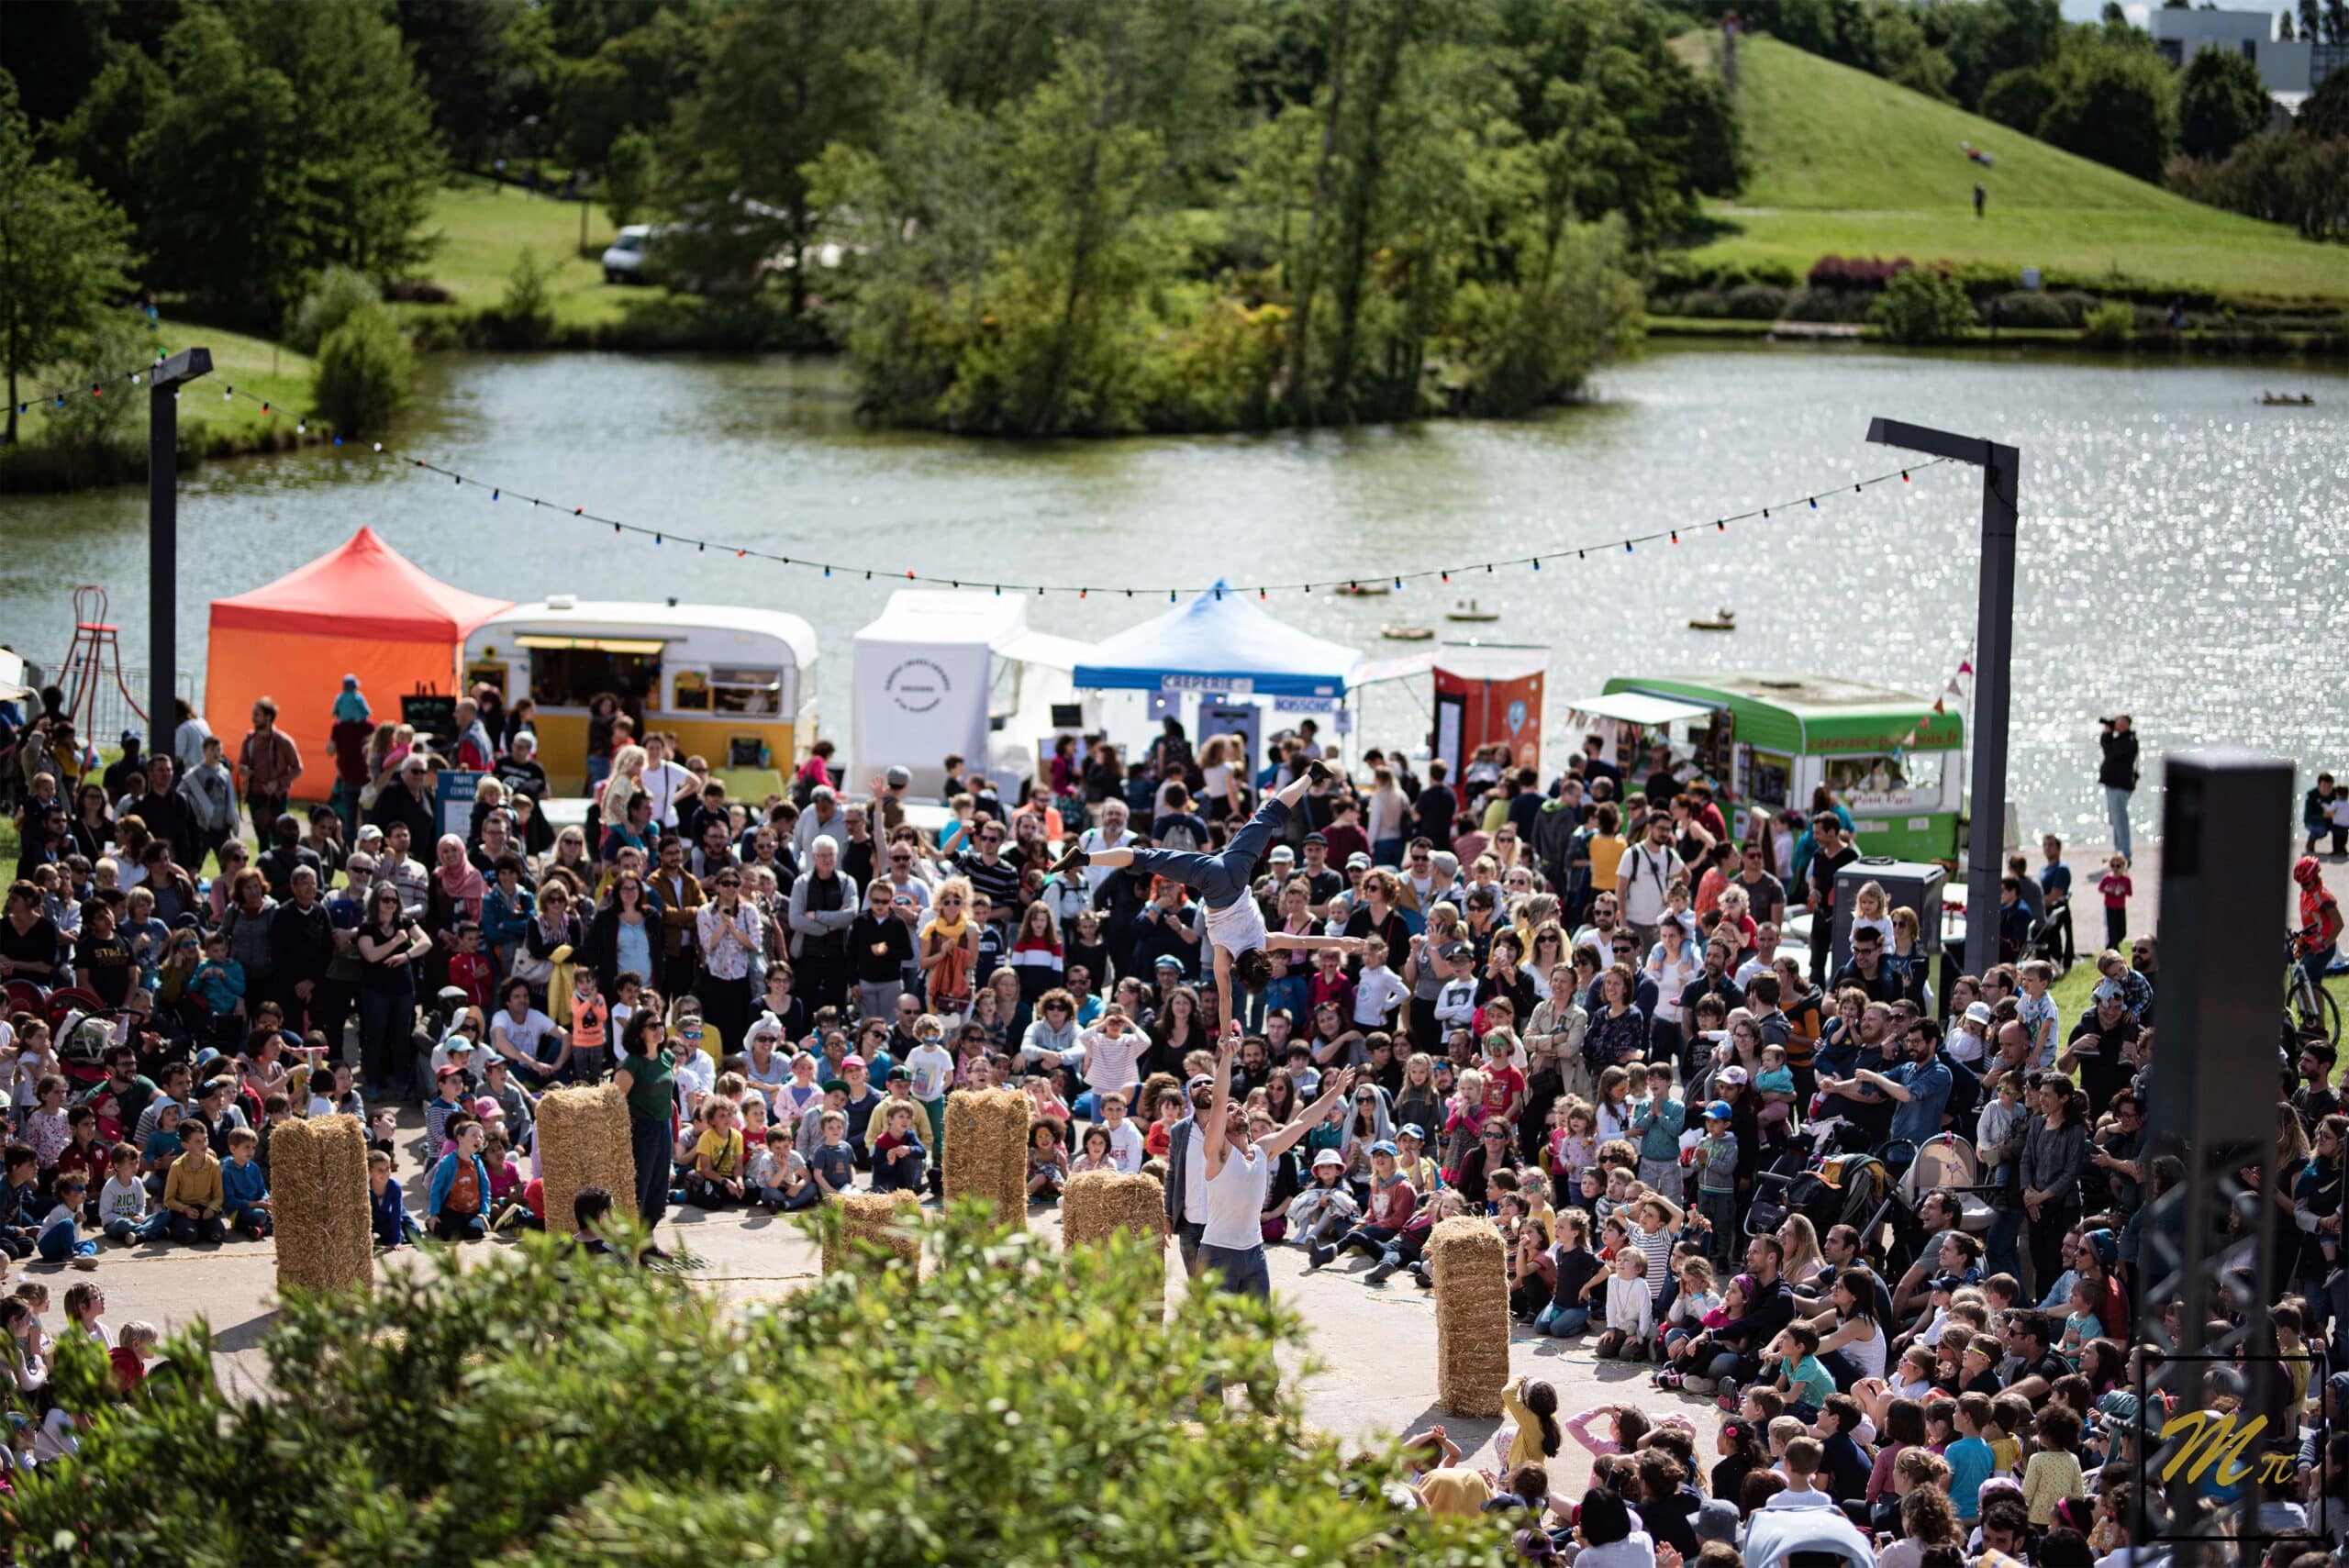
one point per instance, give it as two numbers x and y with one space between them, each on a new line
947 949
731 938
391 947
569 854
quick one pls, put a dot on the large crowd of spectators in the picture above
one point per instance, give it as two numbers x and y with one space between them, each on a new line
1584 1006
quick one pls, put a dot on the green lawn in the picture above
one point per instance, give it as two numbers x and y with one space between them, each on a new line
1846 164
250 364
483 231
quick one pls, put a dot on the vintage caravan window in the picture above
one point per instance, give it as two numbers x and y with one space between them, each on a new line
743 689
571 672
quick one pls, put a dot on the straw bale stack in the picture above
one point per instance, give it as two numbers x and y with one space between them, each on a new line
319 1191
1098 1203
1470 1267
584 1142
885 1219
986 1150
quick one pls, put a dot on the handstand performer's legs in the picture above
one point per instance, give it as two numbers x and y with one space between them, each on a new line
1218 878
1248 846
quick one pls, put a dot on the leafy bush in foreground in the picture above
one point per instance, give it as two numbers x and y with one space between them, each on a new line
1017 1406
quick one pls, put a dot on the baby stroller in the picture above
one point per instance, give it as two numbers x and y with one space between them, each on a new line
1774 1185
1832 1189
1947 1163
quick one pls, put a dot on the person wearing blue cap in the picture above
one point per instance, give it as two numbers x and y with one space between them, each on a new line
1392 1199
1235 923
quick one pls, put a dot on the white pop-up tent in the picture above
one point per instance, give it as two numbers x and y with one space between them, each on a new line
1241 671
959 672
1220 642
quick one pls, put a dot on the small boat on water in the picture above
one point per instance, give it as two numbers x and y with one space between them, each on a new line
1394 632
1466 609
2287 400
1720 620
1366 590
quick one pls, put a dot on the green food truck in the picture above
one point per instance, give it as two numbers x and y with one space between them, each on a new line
1768 741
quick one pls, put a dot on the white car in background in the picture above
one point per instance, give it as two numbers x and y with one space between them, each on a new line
624 257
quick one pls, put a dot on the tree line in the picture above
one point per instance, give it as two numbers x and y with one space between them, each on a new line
1019 215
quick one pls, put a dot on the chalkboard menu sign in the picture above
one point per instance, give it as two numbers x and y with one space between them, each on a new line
432 714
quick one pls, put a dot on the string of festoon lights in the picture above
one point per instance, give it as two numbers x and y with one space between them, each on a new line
499 493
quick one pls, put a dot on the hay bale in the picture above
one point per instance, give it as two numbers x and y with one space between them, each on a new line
1098 1204
584 1142
986 1150
886 1219
319 1191
1470 1266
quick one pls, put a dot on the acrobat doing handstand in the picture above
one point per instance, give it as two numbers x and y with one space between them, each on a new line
1235 924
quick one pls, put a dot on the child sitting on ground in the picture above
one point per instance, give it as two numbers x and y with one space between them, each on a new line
1631 1308
1326 1208
1047 1164
123 1201
387 1214
508 1208
192 1192
458 1200
898 1153
1689 1313
833 1163
1798 1374
61 1234
244 1186
1799 1462
716 1179
779 1177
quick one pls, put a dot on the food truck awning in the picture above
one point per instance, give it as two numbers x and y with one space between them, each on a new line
1637 707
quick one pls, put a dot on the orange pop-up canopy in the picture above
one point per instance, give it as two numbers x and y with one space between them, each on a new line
364 610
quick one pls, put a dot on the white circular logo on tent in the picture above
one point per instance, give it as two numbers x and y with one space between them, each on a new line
917 686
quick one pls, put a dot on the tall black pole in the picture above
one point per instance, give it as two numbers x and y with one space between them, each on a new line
1986 843
1994 637
163 541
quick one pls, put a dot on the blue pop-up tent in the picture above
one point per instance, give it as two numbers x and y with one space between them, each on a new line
1220 641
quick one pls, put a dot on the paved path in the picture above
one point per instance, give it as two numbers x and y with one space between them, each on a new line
1374 1346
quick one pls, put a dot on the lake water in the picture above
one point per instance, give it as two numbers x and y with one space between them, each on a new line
2184 551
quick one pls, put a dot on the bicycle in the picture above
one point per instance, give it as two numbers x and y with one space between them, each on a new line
2309 1007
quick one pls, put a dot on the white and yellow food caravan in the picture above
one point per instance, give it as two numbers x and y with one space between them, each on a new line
735 685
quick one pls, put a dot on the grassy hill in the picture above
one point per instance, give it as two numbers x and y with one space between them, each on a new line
482 230
1847 163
